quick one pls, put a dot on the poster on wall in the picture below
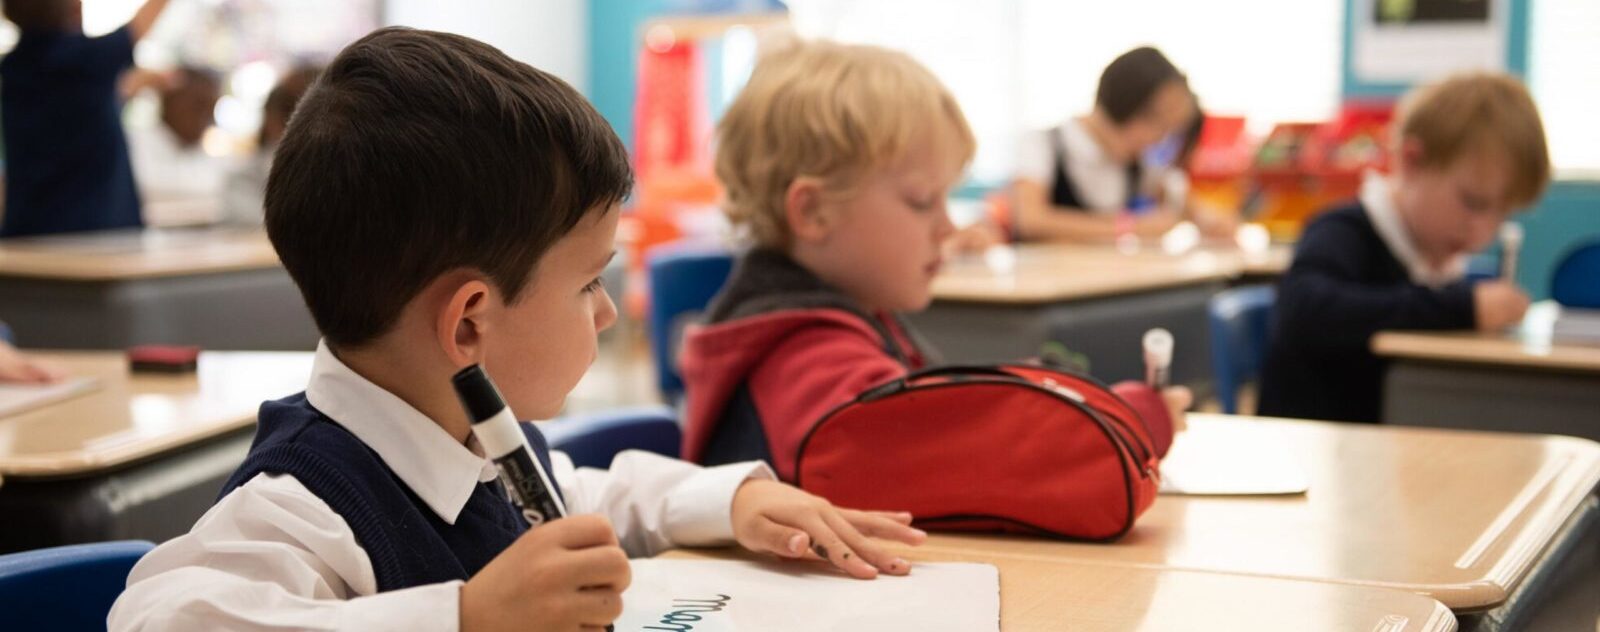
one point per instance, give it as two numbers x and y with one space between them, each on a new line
1406 41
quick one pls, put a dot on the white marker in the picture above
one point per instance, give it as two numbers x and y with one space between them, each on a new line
497 430
1510 248
1157 357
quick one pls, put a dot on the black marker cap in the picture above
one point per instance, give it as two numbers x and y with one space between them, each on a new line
478 395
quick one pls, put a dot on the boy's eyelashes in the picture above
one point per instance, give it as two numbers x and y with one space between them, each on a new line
594 286
1475 203
922 203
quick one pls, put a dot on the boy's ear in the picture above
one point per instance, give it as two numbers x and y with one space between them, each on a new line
461 322
803 210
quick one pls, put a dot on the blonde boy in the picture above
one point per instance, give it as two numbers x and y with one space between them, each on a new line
837 160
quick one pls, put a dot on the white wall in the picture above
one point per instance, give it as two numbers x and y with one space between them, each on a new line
551 35
1021 65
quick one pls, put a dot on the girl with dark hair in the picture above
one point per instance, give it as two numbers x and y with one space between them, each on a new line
1079 180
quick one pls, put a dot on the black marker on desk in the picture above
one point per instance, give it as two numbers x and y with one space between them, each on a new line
497 430
1157 357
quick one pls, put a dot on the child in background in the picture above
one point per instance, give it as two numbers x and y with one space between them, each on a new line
247 185
441 205
1469 151
179 181
1076 180
67 165
837 161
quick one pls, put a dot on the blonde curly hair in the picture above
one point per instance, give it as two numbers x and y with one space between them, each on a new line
831 111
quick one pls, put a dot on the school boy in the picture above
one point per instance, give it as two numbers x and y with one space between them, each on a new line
441 205
1468 152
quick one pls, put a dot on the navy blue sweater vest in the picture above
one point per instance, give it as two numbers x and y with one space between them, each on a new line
408 544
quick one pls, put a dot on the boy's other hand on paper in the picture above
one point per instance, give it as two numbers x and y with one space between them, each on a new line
772 517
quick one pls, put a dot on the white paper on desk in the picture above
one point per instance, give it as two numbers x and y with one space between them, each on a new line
727 596
1213 462
18 398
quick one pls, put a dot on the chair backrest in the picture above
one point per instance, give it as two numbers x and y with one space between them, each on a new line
65 588
684 278
1576 282
1240 318
592 440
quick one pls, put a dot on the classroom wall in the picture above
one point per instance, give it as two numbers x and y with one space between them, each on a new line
551 35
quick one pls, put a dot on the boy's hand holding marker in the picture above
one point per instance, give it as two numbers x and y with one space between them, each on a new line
1499 304
568 574
563 573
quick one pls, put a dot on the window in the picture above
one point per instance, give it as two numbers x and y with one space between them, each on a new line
1564 75
1020 65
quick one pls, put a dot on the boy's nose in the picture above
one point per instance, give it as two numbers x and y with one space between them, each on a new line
606 314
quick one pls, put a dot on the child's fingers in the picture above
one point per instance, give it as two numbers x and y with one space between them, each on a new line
780 540
597 607
888 526
42 373
1178 397
868 551
827 544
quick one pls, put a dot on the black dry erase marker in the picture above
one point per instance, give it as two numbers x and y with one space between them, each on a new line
497 430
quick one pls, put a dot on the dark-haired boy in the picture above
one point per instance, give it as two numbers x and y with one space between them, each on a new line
441 205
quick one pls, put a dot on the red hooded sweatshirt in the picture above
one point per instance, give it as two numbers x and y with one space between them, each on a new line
780 350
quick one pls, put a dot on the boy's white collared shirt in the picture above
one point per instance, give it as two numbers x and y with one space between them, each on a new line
1377 197
272 555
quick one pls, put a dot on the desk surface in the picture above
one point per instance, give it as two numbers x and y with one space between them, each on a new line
136 254
1039 595
1042 273
131 417
1457 516
1527 346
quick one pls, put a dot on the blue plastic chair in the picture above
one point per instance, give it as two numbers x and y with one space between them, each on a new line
1576 282
1240 321
65 588
684 277
593 440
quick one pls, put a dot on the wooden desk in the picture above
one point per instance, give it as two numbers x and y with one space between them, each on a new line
1520 381
140 457
221 288
1040 595
1460 517
1094 300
